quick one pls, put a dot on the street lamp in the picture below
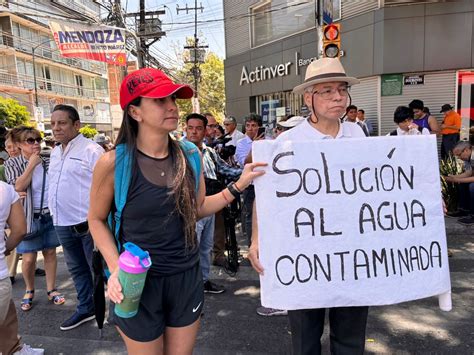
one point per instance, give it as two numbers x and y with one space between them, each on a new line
33 49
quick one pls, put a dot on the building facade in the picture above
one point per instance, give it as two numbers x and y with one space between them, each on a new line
26 38
400 50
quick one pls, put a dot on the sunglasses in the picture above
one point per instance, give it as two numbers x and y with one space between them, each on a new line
33 140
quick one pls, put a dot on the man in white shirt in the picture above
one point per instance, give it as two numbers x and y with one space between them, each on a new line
230 126
326 93
70 178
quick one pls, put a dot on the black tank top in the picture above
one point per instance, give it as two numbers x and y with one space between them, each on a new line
151 221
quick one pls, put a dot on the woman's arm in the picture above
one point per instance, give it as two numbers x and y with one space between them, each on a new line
208 205
102 195
17 222
24 180
434 125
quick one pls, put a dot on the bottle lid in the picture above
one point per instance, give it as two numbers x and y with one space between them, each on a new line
134 260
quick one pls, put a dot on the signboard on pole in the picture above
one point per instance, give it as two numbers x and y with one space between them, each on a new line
414 80
392 84
331 11
38 113
337 230
101 43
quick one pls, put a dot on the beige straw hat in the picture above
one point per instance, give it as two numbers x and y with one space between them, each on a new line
325 70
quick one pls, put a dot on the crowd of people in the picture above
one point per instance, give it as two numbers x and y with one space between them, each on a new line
175 191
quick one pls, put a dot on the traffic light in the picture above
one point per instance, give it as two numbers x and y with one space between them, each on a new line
332 40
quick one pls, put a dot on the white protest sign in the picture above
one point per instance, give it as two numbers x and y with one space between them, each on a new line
350 222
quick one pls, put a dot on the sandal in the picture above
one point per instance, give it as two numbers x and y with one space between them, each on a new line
57 299
27 303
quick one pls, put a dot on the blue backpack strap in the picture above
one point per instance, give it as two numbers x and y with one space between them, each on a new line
194 159
122 177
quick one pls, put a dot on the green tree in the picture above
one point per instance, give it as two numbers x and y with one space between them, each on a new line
12 113
211 86
88 131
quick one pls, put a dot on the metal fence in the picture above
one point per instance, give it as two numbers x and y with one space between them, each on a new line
51 86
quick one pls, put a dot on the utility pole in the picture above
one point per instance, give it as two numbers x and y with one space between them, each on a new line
197 53
148 27
142 50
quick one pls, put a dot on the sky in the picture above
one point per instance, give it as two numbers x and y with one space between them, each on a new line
179 26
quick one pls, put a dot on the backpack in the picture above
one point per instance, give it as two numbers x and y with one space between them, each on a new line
123 175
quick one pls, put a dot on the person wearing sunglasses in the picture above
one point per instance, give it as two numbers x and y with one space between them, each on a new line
29 173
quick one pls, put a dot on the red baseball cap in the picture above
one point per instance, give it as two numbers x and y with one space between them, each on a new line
151 83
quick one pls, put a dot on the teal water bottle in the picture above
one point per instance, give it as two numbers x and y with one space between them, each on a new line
133 267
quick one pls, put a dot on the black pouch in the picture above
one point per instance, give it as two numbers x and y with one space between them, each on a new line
81 228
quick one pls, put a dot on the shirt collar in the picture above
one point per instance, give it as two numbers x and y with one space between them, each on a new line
344 131
71 143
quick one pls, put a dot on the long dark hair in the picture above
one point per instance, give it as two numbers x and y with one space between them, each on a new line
183 186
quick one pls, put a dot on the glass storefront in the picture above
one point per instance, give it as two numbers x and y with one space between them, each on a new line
276 105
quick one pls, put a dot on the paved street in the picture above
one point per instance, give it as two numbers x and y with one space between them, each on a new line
231 326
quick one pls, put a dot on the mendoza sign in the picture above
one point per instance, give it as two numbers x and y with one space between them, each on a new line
351 222
105 44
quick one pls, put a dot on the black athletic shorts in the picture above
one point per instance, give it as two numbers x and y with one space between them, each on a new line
167 301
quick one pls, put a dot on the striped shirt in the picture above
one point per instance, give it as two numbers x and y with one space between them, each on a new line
213 165
14 168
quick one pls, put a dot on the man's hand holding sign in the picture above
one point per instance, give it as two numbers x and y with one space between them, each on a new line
335 230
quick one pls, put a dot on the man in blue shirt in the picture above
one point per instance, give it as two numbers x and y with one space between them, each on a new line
213 168
242 156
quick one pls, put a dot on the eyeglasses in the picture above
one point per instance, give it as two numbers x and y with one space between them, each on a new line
213 125
329 94
33 140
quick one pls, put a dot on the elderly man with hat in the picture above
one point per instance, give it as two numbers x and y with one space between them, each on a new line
449 129
326 93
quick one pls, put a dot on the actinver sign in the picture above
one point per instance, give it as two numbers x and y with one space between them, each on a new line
264 73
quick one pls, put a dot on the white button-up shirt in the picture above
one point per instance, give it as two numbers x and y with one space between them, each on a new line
236 137
242 150
70 179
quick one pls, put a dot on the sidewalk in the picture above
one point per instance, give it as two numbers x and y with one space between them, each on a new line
230 324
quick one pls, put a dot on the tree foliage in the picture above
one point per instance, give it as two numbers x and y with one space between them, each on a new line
12 113
88 131
211 86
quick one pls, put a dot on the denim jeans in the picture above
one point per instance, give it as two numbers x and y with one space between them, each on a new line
466 197
448 141
78 255
205 237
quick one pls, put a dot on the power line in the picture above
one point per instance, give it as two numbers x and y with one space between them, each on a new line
239 17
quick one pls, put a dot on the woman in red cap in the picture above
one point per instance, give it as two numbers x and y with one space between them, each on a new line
165 198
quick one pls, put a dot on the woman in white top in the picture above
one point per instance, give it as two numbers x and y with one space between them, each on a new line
28 173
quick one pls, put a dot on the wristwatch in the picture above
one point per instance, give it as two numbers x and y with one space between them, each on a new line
233 190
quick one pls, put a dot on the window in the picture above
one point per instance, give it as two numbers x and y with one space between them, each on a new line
274 19
79 85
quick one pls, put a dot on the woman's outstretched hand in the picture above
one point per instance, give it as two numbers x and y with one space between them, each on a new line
249 174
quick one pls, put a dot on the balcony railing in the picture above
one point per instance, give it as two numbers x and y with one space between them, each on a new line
51 86
50 52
